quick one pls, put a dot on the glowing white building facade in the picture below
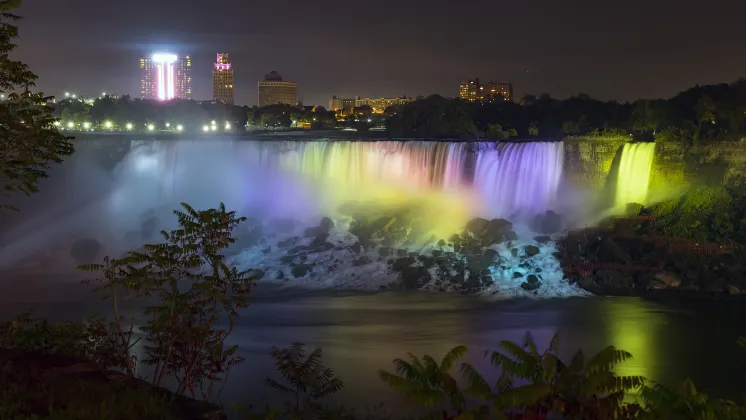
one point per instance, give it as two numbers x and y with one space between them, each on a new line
166 76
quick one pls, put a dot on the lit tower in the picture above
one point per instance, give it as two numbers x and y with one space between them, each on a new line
165 76
222 79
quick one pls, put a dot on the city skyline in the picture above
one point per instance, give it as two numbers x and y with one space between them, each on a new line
608 51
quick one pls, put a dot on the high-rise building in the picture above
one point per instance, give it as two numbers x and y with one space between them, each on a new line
165 76
273 90
472 90
379 105
222 79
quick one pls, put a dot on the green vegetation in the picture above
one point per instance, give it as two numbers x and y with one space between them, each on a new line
698 115
712 214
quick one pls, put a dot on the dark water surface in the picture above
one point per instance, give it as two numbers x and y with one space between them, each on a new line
361 333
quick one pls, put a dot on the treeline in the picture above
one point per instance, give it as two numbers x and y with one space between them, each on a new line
699 114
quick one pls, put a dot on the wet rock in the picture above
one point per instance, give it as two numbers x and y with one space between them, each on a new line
413 278
492 255
288 243
384 251
85 251
401 263
326 225
511 236
441 243
532 283
267 250
531 250
514 252
356 248
633 209
543 239
402 252
455 238
477 225
301 270
364 260
668 279
517 275
609 251
612 279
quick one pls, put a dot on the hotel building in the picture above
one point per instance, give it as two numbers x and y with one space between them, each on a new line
165 76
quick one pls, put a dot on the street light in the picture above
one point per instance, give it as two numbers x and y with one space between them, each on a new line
70 125
107 124
168 125
205 128
151 127
179 127
227 126
57 123
129 126
86 125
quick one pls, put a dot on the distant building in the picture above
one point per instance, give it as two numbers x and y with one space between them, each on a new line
165 76
222 80
341 104
379 105
473 91
273 90
469 90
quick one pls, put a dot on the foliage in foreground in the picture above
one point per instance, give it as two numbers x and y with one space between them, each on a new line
29 139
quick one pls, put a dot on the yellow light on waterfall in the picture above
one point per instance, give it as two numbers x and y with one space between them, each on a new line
633 177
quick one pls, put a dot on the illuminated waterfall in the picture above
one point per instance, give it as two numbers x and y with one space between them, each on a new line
449 182
633 178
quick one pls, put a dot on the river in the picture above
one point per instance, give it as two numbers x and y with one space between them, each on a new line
361 333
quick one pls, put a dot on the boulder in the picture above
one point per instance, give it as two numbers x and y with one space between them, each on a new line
531 250
301 270
85 251
401 263
609 251
669 279
532 283
414 278
326 225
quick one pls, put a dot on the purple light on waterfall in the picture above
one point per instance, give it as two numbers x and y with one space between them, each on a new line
518 178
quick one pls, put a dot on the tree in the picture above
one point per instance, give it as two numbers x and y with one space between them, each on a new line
195 291
426 382
307 378
580 389
29 139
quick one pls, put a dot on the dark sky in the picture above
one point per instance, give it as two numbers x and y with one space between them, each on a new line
608 49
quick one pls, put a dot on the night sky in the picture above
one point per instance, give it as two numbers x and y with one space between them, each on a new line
608 49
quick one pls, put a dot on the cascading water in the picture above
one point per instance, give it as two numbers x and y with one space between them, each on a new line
633 178
411 193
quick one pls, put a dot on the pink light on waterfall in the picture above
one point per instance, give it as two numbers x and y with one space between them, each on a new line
165 75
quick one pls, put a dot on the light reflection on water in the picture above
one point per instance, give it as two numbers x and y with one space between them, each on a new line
362 333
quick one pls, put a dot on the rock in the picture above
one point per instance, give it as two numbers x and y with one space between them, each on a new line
492 255
543 239
478 263
356 248
531 250
609 251
402 253
669 279
514 252
85 251
361 261
511 236
517 275
384 251
289 242
267 250
532 283
733 290
326 225
320 242
441 243
454 239
633 209
301 270
477 226
612 279
414 278
311 232
401 263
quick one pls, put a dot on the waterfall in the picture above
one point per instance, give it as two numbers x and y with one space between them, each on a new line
452 181
633 177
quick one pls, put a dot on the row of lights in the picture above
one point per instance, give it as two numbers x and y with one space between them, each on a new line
150 127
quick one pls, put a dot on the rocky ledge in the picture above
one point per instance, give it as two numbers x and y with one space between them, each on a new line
628 256
377 249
